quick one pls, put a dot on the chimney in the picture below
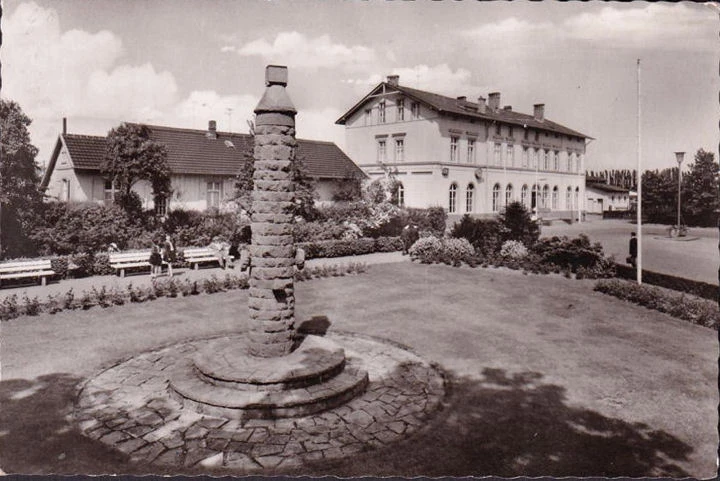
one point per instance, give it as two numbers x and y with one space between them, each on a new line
482 106
508 108
539 111
494 101
462 99
64 125
212 130
393 80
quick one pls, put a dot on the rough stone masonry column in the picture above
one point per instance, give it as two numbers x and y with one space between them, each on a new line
271 294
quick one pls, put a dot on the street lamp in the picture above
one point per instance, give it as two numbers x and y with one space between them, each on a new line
679 156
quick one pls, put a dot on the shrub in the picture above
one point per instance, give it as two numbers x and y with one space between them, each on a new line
571 253
60 264
513 249
101 297
9 308
88 227
116 297
316 231
485 235
32 305
699 311
518 225
54 303
86 301
340 248
432 219
427 250
83 263
696 288
388 244
69 300
430 250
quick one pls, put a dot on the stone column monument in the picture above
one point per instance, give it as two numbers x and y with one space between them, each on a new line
268 372
271 297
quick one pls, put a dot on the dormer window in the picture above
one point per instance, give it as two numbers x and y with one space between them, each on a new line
415 107
381 112
400 110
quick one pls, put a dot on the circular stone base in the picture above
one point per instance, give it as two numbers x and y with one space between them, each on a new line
128 407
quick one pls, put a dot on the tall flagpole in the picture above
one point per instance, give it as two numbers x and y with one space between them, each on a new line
639 184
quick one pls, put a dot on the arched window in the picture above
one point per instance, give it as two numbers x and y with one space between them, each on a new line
535 197
452 198
568 199
401 195
496 198
524 195
508 194
555 195
545 197
469 194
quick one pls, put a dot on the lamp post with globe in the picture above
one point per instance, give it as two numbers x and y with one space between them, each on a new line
679 157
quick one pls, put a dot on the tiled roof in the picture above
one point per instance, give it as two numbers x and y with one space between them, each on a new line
607 187
467 109
193 152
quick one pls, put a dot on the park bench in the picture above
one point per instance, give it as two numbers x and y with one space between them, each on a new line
129 260
40 269
200 255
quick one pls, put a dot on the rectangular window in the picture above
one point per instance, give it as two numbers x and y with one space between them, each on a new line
525 157
526 133
381 150
110 189
535 158
546 160
556 161
381 112
161 205
537 136
214 193
415 107
399 150
401 110
368 117
471 151
510 155
510 131
569 162
454 149
497 154
498 129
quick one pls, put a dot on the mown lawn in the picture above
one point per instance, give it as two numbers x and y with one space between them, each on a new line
546 376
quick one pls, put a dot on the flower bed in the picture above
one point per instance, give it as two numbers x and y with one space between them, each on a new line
12 306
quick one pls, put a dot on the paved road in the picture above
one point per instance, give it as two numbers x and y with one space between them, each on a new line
693 259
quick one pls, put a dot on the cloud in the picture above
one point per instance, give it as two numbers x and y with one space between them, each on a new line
320 125
440 79
230 111
299 51
656 25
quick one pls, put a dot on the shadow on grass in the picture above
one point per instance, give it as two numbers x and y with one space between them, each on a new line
37 435
516 426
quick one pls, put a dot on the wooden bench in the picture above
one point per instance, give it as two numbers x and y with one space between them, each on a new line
201 255
27 269
129 260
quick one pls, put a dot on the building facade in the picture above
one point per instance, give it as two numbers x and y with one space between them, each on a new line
203 167
468 157
600 197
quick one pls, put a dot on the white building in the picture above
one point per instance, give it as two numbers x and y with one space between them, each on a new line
203 164
468 157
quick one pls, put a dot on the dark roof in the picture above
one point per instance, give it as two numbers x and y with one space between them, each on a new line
449 105
193 152
607 187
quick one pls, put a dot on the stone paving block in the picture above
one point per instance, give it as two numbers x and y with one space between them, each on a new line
397 427
361 418
387 436
267 449
148 453
195 432
173 441
240 461
131 445
332 453
270 461
212 423
212 461
292 448
194 456
217 444
259 436
138 430
173 457
114 437
313 456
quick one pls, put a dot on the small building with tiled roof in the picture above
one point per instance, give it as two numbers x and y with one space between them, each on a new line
469 157
204 164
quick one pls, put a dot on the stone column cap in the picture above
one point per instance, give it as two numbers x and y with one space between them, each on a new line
275 99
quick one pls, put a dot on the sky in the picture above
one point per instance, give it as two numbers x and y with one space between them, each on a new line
183 62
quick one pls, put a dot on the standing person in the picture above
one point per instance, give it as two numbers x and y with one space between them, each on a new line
632 258
168 254
155 261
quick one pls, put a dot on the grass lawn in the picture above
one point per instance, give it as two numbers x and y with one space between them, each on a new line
546 376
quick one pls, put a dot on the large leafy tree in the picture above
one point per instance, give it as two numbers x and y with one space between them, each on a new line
132 156
20 196
659 195
700 200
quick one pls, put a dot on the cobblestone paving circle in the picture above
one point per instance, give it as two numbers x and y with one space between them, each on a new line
128 408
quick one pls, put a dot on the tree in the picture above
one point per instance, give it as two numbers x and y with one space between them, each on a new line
132 156
659 196
700 190
20 196
518 224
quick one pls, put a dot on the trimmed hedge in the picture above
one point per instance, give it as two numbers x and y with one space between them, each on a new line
354 247
696 310
696 288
